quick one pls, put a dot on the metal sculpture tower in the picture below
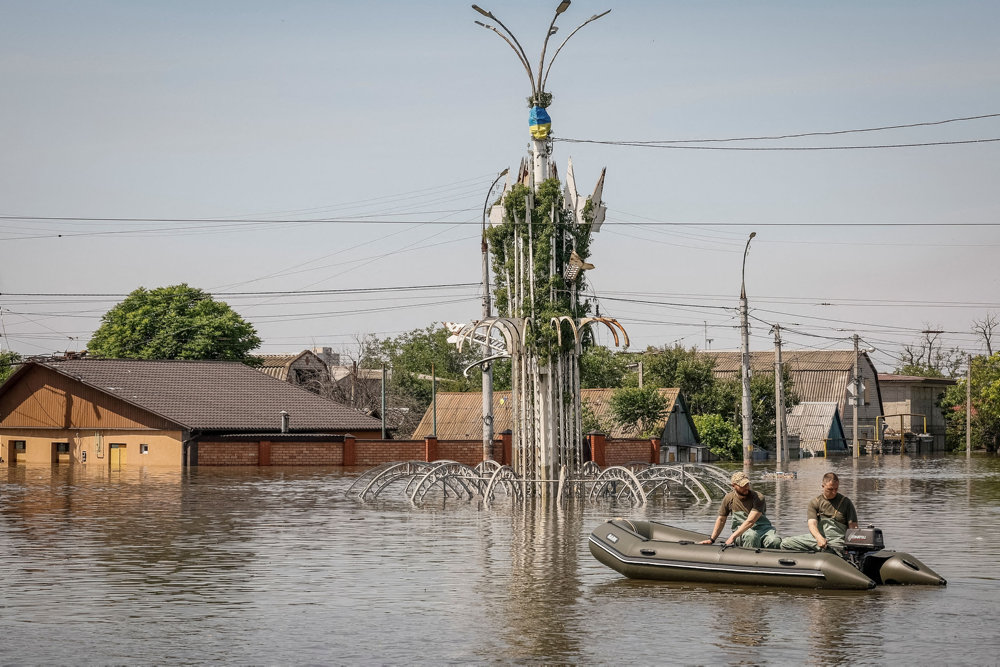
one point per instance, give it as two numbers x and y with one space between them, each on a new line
539 236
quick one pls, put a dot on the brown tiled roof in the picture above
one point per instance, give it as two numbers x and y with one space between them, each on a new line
213 395
460 414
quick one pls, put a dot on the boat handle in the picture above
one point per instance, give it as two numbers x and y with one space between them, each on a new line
647 552
786 561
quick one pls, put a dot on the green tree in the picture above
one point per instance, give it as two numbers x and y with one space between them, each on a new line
638 410
721 436
601 368
688 371
176 322
985 390
416 359
8 364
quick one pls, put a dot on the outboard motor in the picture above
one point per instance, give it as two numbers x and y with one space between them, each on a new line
860 541
864 547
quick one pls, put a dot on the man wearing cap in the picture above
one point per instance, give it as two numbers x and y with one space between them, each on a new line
750 525
828 515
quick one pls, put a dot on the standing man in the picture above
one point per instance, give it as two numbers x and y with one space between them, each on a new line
829 515
750 525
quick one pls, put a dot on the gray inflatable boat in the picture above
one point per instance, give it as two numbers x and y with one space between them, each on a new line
652 550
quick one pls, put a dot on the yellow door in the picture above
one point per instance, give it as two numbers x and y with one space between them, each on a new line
117 456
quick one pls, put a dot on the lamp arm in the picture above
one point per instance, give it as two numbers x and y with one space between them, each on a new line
490 192
545 45
549 68
517 49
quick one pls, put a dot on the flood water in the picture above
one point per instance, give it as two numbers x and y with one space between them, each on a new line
268 566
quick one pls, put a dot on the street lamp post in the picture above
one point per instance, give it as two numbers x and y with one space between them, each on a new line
540 99
745 366
488 367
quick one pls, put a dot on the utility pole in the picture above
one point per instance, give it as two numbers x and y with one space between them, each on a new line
383 401
857 398
780 429
745 366
968 409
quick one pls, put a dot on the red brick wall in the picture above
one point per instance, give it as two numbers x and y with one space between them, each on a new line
227 453
620 452
377 452
307 453
469 452
374 452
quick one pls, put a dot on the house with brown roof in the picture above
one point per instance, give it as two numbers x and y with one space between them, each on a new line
459 416
818 376
911 405
116 412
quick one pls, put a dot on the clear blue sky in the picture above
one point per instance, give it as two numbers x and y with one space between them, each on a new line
179 116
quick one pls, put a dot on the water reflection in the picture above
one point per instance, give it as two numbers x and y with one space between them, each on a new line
539 608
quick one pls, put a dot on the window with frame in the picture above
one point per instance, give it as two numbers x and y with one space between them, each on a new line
61 447
19 445
144 449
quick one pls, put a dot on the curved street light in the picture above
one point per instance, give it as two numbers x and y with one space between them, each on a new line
537 81
745 361
743 275
485 247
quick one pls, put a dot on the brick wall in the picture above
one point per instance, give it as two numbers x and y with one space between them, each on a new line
469 452
374 452
377 452
227 453
307 453
620 452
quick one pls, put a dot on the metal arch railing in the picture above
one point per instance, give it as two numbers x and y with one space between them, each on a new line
636 481
716 476
460 478
657 478
621 483
487 467
503 477
386 475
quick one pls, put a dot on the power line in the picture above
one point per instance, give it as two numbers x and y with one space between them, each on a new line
358 290
805 134
781 148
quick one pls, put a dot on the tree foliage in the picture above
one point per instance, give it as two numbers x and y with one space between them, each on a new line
638 410
600 368
688 371
693 374
176 322
416 361
550 239
985 390
721 436
8 363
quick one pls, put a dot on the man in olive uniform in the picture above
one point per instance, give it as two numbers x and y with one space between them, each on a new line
829 516
750 525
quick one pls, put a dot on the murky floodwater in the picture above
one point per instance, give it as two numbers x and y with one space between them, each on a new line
276 566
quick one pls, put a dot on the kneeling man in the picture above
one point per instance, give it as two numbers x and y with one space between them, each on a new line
829 515
750 525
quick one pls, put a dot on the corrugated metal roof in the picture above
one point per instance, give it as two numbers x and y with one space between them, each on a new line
211 395
813 422
817 375
460 414
914 379
796 360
